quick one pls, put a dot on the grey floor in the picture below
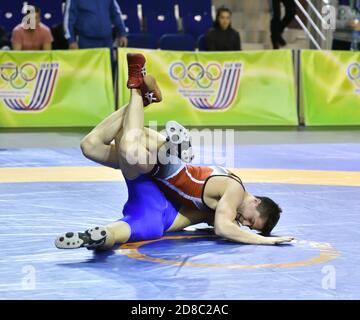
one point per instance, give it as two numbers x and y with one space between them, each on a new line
63 138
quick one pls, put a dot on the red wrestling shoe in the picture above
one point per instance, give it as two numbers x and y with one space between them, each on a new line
136 70
150 91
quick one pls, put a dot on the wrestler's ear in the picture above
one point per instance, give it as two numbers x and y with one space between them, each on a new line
257 201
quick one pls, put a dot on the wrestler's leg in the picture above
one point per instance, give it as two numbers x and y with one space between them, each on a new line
146 214
97 146
117 232
187 217
146 217
109 129
135 154
120 231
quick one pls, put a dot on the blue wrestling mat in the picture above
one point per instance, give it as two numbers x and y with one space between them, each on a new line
321 212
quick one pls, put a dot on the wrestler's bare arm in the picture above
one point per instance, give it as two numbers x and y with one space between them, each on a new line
226 226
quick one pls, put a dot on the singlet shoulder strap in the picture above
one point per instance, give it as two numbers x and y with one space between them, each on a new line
236 178
228 174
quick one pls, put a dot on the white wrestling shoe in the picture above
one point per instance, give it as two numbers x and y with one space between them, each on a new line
179 136
90 239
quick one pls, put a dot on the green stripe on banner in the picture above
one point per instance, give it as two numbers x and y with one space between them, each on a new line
331 87
55 88
219 88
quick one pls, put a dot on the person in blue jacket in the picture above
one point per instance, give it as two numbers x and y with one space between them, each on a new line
88 24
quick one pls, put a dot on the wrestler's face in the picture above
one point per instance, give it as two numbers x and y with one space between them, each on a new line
249 216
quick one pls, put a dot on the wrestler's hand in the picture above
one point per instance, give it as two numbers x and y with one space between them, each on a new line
278 240
73 46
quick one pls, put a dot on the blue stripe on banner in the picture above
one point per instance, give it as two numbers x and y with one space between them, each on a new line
223 91
43 79
8 103
226 94
229 83
235 86
18 105
46 90
223 77
11 105
228 87
38 80
194 102
36 88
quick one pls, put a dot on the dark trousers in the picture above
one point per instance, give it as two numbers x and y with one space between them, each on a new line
90 43
277 24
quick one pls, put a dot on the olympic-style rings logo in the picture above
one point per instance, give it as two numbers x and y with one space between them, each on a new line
18 77
195 72
353 73
210 87
27 87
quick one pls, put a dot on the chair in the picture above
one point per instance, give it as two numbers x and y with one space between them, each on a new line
128 6
179 42
201 43
132 22
194 7
197 24
130 15
10 14
158 7
161 24
142 40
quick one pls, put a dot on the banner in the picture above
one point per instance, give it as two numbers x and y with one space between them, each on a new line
55 88
331 87
219 88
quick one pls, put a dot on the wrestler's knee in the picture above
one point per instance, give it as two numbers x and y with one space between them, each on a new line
133 150
132 136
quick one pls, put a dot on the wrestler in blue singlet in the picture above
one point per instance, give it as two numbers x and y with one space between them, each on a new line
148 212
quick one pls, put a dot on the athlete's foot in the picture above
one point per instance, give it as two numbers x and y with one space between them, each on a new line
136 70
150 91
91 239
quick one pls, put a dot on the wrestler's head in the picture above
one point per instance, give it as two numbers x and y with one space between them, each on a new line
259 213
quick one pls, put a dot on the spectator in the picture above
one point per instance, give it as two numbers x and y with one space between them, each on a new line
222 37
27 37
277 25
88 24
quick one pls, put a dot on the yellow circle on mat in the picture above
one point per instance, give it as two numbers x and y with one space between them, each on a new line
326 253
248 175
